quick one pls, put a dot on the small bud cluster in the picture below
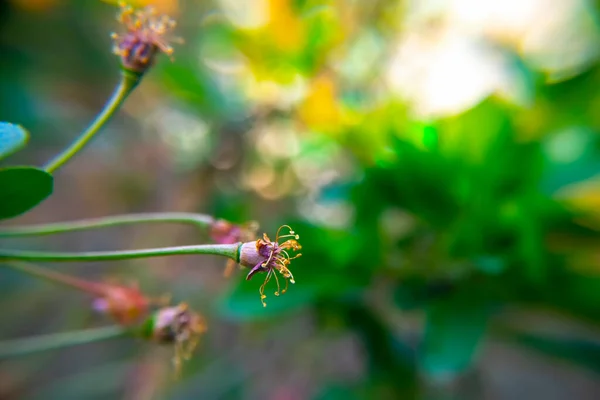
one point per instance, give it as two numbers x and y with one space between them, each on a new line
147 34
224 232
176 325
126 305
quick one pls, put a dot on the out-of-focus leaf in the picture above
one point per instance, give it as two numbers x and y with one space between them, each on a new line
335 392
312 281
572 155
580 352
12 138
416 292
22 188
419 181
472 135
243 302
490 265
568 103
391 361
195 86
323 30
453 332
579 292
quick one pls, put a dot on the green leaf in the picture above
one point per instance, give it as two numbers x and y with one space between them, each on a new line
337 392
22 188
580 352
571 156
453 332
12 138
243 302
415 292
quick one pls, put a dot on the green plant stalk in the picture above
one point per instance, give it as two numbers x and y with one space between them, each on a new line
54 341
129 80
56 277
226 250
198 220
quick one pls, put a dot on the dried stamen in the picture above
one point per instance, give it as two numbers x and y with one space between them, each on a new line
271 257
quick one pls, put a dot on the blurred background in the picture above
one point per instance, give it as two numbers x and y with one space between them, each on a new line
439 159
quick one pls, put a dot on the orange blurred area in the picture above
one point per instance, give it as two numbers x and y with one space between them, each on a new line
320 108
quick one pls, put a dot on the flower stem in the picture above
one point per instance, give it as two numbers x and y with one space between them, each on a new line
55 277
198 220
226 250
129 81
54 341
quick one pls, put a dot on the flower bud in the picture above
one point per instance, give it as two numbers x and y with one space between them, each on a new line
147 34
224 232
176 325
125 304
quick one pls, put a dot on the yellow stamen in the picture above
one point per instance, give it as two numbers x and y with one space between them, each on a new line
286 287
278 288
262 288
290 234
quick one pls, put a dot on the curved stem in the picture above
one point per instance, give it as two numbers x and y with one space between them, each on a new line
54 341
226 250
129 81
198 220
55 277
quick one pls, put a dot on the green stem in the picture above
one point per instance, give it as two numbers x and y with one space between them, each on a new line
198 220
129 81
226 250
54 341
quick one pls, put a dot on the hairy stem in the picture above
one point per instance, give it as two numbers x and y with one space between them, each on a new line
198 220
54 341
226 250
55 277
129 81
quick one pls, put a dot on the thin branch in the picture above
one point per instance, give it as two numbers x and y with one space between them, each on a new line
54 341
198 220
226 250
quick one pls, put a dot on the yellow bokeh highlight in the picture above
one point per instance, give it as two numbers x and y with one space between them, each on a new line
284 27
320 109
169 7
583 196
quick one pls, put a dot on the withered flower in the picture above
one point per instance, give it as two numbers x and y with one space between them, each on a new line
224 232
126 304
177 325
271 257
147 34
